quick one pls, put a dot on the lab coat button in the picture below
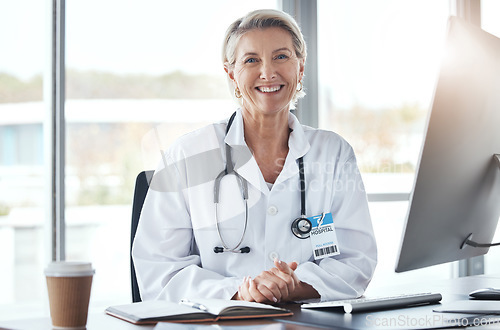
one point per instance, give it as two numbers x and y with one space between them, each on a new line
272 210
274 255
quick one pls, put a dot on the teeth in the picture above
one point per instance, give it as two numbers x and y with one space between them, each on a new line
269 89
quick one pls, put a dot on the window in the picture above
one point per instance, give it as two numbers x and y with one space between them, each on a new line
379 64
141 73
22 197
139 76
130 67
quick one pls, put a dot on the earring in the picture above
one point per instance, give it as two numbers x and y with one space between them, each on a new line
301 86
237 93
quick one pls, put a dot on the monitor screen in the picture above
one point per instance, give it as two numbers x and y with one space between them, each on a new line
456 191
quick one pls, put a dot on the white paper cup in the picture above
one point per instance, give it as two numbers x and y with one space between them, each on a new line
69 285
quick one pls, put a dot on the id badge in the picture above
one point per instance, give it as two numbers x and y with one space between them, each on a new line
323 237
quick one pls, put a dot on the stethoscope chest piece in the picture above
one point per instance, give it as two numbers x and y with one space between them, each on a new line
301 227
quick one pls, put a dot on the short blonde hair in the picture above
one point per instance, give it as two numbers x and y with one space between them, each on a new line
262 19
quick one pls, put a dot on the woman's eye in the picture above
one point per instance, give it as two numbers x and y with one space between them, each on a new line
281 57
250 60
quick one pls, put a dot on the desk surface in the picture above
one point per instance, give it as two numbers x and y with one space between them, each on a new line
408 318
102 321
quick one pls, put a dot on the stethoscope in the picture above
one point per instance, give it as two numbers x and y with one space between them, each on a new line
301 227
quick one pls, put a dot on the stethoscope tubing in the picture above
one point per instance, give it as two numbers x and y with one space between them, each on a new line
297 224
244 188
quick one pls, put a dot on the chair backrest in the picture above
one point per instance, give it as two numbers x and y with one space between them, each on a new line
141 189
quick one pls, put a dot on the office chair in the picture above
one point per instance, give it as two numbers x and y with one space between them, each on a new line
141 189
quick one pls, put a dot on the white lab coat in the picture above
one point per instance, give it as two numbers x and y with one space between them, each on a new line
173 248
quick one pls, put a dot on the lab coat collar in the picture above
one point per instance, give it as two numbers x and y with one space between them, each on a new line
298 145
235 136
245 164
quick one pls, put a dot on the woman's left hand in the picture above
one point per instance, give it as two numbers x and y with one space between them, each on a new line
279 284
287 274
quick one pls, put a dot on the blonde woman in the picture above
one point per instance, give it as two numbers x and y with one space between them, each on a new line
257 207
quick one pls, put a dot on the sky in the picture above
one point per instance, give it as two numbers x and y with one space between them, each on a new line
21 37
122 36
385 54
381 52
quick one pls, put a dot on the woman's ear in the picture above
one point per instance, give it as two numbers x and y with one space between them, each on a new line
302 62
229 70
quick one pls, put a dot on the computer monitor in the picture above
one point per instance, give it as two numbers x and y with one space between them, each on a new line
456 195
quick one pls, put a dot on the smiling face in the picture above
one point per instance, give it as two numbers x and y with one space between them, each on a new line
266 70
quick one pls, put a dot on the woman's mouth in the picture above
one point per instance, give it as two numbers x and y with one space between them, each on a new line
269 89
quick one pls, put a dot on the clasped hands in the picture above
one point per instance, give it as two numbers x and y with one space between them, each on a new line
279 284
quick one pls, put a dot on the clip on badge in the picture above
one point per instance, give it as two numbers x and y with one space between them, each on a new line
323 236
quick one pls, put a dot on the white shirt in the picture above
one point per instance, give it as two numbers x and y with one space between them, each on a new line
173 248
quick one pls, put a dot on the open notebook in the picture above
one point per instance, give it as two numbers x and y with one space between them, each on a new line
199 310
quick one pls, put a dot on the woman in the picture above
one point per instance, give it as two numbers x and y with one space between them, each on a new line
243 235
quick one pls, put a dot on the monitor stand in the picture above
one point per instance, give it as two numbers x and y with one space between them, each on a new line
468 240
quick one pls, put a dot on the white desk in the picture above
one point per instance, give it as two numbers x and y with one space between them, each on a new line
452 290
102 321
94 321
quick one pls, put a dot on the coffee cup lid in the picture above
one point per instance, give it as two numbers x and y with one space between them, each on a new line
69 269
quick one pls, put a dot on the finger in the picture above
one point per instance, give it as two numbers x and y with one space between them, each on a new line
239 295
293 266
266 284
285 282
262 293
243 290
286 272
274 282
284 267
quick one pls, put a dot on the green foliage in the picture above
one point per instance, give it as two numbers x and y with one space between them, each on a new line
378 135
14 90
4 210
106 158
105 85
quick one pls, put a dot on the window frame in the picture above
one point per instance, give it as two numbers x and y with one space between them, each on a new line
305 11
54 128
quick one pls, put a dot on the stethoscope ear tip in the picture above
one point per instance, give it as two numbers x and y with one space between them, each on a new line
219 249
246 249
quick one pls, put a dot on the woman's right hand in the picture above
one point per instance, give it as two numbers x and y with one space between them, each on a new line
278 284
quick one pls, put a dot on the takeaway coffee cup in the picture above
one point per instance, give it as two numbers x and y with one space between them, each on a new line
69 285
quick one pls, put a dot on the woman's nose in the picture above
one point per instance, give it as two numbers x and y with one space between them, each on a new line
267 70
